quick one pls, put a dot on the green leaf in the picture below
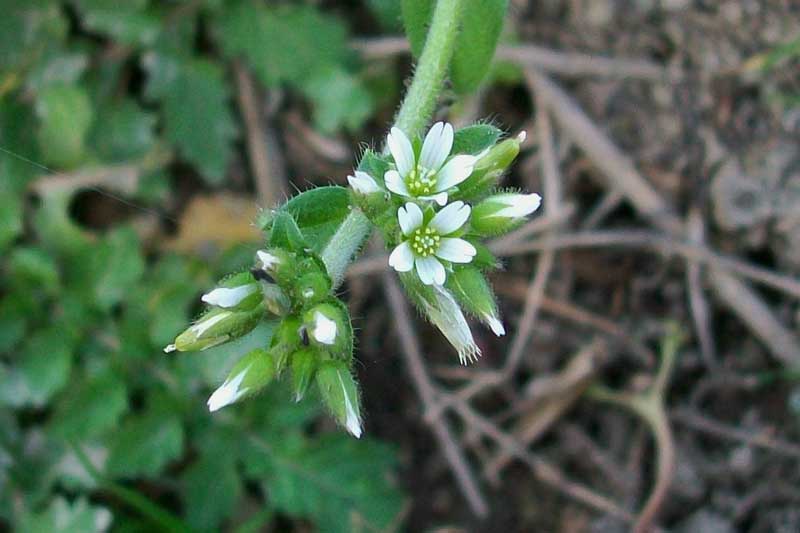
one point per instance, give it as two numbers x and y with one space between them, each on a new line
123 131
43 370
416 18
481 24
319 213
339 100
197 118
212 485
128 22
475 139
34 269
26 29
337 481
65 517
145 444
286 234
91 407
282 44
65 114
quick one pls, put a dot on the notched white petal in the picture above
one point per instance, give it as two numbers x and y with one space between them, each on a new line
394 182
450 218
324 330
437 145
456 250
455 171
402 258
430 270
229 297
401 150
410 218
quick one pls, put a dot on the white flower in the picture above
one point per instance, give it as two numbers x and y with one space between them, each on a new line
425 244
429 177
324 330
228 393
229 297
363 183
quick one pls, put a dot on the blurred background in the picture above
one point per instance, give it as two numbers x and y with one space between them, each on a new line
650 370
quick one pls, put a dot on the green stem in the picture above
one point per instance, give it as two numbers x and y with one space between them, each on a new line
419 103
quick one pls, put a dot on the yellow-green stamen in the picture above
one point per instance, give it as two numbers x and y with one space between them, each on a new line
424 242
421 181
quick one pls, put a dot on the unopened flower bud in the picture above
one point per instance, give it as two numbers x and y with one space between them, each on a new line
474 294
362 183
488 169
217 327
503 212
239 292
249 375
312 287
274 266
304 367
340 394
328 327
288 338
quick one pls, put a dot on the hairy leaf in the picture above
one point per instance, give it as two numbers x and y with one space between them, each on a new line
416 19
481 24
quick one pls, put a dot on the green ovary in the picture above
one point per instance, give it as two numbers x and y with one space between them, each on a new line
424 242
421 181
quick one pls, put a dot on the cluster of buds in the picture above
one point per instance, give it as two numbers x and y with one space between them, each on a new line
312 338
435 200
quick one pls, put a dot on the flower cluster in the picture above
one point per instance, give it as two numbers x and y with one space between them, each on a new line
443 191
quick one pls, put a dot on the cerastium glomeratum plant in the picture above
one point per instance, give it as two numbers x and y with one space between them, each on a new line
434 198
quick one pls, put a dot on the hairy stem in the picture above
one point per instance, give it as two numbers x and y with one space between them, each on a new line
419 103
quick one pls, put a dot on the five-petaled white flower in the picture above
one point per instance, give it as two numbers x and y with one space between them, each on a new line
425 244
428 177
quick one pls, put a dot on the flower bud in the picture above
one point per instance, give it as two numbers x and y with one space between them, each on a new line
363 184
274 266
488 169
249 375
275 299
304 367
217 327
503 212
474 294
288 337
340 394
312 287
239 292
328 327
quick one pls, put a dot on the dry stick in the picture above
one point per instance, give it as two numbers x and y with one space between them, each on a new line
529 55
440 427
623 176
552 205
544 471
724 431
664 244
265 159
697 301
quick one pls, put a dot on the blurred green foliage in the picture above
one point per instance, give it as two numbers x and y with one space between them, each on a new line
91 410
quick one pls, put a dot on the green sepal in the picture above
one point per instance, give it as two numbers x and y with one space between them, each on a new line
304 367
288 338
254 371
286 234
333 310
475 139
375 164
474 294
340 394
312 288
484 258
216 327
488 170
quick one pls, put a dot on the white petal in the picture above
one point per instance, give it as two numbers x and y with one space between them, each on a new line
228 393
455 171
352 422
450 218
518 205
402 258
456 250
430 270
324 329
395 183
169 348
401 150
229 297
437 146
445 313
521 136
201 327
439 198
363 183
410 218
496 325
